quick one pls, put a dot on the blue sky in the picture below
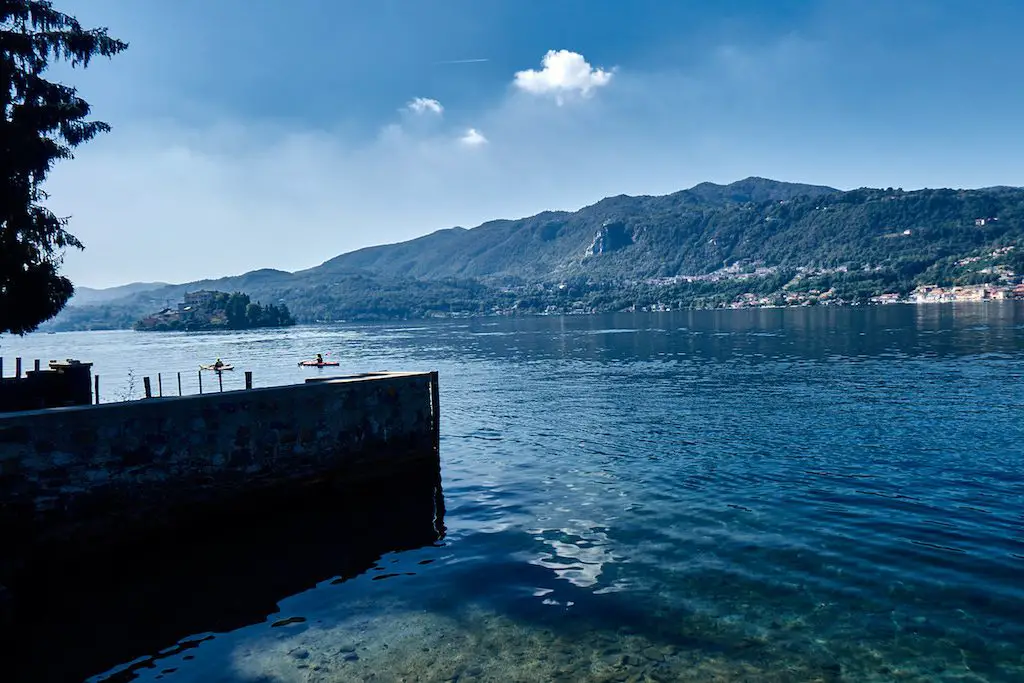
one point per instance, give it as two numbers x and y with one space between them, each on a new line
252 133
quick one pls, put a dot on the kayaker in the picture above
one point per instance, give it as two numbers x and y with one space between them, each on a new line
218 365
319 359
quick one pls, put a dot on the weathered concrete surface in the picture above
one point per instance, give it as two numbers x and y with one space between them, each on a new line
83 474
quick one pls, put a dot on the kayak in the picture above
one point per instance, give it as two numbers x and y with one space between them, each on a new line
220 369
314 364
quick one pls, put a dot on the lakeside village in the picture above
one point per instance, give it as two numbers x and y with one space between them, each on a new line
925 294
1001 283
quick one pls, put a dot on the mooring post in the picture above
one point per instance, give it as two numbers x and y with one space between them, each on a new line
96 388
248 379
1 367
435 409
36 365
220 379
17 367
179 384
200 381
159 386
149 391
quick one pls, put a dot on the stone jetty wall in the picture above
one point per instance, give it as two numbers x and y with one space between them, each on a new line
83 474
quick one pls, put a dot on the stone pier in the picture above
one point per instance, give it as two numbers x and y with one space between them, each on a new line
83 476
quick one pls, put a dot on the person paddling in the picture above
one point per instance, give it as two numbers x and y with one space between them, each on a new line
319 359
218 365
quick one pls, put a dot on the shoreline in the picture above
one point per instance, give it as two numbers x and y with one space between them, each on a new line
657 308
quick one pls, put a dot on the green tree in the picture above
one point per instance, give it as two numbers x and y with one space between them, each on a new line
253 315
236 309
286 315
42 122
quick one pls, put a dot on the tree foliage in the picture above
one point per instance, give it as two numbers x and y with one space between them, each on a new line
42 122
235 311
242 313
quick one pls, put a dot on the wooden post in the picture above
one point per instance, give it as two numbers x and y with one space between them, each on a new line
36 365
159 385
435 408
17 367
96 388
248 379
149 390
1 367
200 382
220 379
179 384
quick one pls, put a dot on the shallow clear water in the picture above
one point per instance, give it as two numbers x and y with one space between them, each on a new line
801 494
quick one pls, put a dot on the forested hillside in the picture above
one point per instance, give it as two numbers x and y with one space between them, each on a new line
755 240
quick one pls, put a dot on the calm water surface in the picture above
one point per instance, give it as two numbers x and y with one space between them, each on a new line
798 495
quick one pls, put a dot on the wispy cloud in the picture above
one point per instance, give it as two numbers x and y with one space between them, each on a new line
563 73
423 105
463 61
473 138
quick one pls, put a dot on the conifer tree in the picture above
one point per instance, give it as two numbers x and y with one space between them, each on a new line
42 122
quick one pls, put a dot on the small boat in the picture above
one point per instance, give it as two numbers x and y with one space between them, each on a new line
320 364
216 369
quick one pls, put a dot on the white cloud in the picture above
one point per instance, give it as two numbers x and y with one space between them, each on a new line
424 105
564 73
473 138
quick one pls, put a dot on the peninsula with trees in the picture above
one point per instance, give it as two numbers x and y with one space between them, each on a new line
211 310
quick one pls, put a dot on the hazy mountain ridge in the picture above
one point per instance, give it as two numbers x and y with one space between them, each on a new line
880 240
87 296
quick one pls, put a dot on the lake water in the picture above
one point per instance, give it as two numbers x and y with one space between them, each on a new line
774 495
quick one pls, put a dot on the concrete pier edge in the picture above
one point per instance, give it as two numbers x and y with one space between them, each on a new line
86 475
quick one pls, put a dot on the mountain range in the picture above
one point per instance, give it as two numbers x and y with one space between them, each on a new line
702 246
87 296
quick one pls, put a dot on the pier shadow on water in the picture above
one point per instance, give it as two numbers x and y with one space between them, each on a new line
139 602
